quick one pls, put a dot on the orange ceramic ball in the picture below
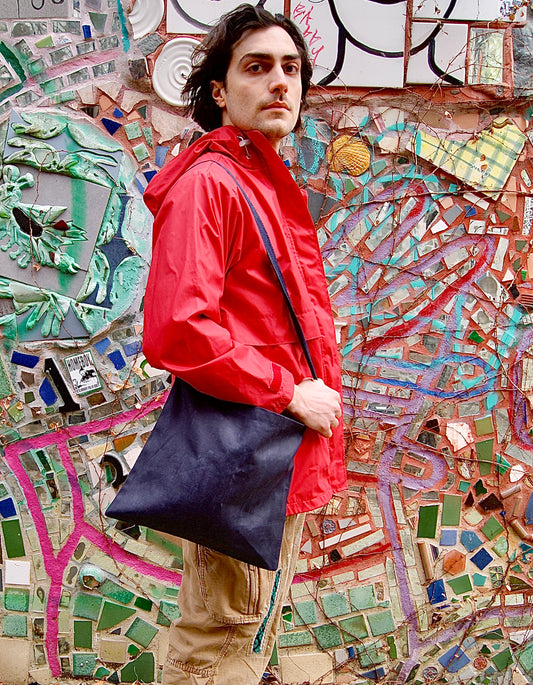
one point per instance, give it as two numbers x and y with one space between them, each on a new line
349 154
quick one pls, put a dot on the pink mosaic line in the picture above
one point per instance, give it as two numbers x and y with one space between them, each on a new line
55 564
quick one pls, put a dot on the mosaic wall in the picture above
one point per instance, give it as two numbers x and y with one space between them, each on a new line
423 200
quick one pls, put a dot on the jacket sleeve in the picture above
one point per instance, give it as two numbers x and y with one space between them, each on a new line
195 231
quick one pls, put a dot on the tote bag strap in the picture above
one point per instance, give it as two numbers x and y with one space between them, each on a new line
275 265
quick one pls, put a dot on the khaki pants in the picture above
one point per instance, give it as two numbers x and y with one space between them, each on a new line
230 615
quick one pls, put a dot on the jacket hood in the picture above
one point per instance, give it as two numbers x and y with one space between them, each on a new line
227 140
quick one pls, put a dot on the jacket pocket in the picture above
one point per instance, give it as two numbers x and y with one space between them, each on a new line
234 592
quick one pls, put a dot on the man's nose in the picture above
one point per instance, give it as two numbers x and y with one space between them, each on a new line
279 79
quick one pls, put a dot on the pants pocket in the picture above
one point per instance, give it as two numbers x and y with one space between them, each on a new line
234 592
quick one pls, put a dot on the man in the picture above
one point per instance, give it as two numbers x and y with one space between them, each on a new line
215 316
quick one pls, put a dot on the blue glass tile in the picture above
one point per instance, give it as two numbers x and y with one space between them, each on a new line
470 211
47 393
481 559
132 348
117 359
149 174
102 345
454 660
529 511
118 113
470 540
448 538
437 591
160 154
375 674
86 31
30 361
7 508
140 186
110 125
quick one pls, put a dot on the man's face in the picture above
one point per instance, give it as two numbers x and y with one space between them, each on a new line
263 86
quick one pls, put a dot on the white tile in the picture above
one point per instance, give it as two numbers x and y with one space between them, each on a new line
470 10
449 55
17 572
196 16
373 48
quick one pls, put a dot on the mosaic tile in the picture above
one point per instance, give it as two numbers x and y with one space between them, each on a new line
141 632
335 605
328 636
113 614
381 623
353 628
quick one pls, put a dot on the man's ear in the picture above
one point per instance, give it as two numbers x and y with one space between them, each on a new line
218 92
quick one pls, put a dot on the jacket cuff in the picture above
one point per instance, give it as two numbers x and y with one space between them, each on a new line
283 386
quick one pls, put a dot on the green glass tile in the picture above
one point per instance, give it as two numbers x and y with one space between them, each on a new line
296 639
83 634
13 539
427 521
503 659
479 580
525 657
475 337
87 606
141 632
15 411
274 659
463 486
381 623
502 464
64 602
461 584
142 670
353 628
116 592
335 604
46 42
147 130
133 650
98 21
328 636
362 598
14 625
16 599
83 664
141 152
305 613
3 490
484 449
451 510
172 592
492 528
393 650
168 612
133 130
101 673
484 425
112 614
144 603
370 655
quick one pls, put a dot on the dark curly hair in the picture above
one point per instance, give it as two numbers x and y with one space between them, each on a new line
211 59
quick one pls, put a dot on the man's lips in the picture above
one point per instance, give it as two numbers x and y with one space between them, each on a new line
277 105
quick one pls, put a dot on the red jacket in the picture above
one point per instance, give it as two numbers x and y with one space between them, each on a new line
214 313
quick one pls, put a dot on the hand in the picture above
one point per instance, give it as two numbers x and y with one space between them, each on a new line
317 406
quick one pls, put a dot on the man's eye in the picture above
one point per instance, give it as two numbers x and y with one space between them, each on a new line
255 68
291 68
